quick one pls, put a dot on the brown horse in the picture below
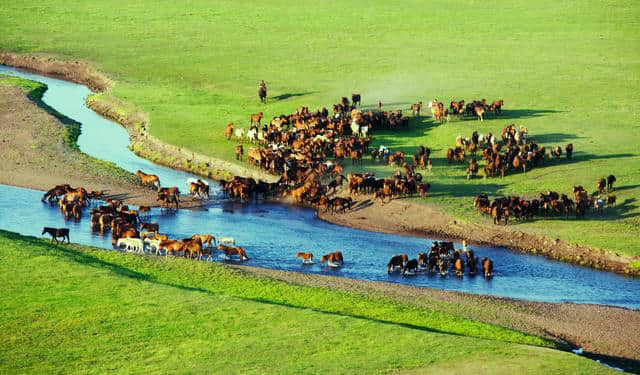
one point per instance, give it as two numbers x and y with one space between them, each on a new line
487 267
333 259
205 239
57 232
459 267
307 258
228 131
239 152
255 118
148 179
171 246
230 251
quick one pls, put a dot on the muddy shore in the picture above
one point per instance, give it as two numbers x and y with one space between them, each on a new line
398 217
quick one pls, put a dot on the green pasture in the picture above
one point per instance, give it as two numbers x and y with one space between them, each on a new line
568 71
75 309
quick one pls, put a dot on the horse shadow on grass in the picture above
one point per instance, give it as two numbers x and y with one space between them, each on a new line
291 95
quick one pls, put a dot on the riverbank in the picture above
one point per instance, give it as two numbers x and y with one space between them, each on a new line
39 150
318 312
399 217
406 217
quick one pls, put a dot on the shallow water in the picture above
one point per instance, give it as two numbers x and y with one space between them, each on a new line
272 233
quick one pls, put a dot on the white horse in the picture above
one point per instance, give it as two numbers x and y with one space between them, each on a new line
252 135
131 244
152 244
355 127
226 241
364 131
239 134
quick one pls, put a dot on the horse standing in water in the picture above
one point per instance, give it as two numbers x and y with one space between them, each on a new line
262 92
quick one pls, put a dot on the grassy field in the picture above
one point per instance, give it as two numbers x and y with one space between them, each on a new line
77 309
569 71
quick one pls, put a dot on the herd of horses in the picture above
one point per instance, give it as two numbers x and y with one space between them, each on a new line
442 258
126 227
514 152
548 204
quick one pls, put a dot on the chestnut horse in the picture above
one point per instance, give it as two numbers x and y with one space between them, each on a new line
307 258
230 251
333 259
205 239
148 179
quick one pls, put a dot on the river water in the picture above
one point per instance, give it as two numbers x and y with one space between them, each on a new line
273 233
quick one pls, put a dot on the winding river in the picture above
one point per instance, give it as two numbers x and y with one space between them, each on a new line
272 233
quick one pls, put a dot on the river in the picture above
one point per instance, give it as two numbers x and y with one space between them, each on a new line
273 233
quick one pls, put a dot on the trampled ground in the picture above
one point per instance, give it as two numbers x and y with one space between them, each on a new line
568 71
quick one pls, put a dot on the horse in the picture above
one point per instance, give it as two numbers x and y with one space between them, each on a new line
149 227
487 267
410 266
355 100
262 94
228 131
57 232
239 152
459 267
56 192
148 179
230 251
611 179
255 118
415 108
397 261
227 240
306 258
333 259
170 246
205 239
600 185
134 244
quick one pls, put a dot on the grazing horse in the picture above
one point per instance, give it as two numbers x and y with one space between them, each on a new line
57 232
333 259
487 267
397 261
611 179
306 258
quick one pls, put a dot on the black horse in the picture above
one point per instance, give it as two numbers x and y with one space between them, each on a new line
610 181
262 94
57 232
396 261
411 266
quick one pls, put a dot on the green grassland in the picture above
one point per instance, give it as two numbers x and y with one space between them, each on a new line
70 308
569 71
